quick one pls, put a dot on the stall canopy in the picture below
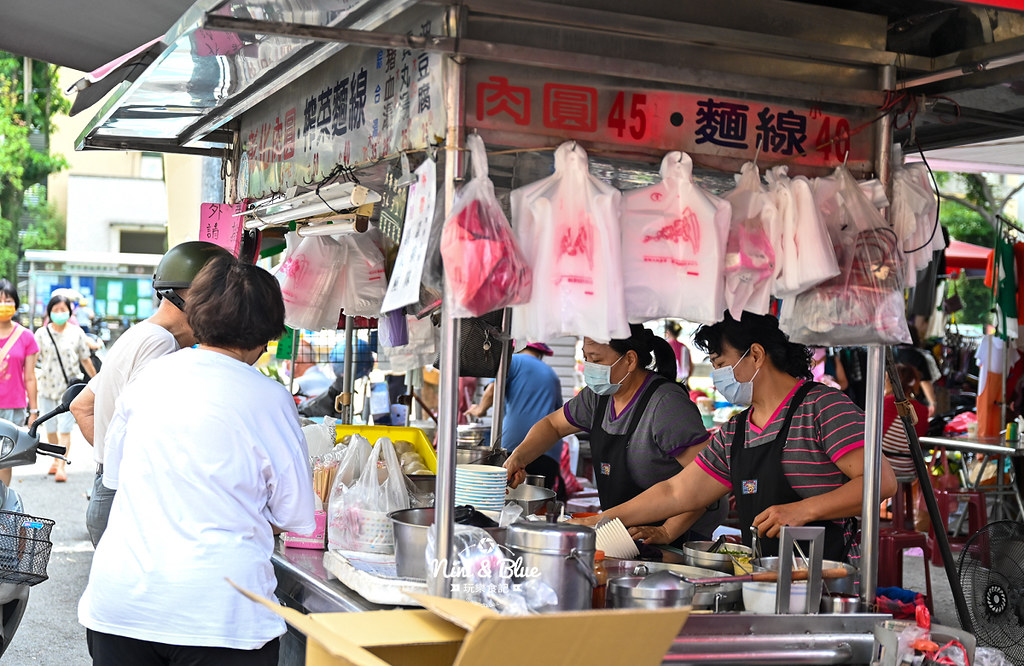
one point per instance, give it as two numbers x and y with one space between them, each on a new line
962 256
85 35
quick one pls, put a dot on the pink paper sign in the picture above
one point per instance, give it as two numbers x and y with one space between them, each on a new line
220 224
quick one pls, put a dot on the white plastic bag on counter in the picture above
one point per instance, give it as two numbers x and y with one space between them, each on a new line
483 266
750 267
308 276
804 254
358 518
864 304
364 282
568 229
673 246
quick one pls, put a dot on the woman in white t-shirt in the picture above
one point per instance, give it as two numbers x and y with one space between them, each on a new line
209 462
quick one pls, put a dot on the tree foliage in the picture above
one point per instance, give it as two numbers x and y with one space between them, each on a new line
20 165
971 208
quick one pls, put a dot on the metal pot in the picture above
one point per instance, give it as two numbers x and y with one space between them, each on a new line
531 498
474 434
411 526
844 586
695 554
428 426
480 455
624 593
721 597
536 480
563 554
839 603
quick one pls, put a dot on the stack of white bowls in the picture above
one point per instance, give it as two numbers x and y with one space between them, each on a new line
483 486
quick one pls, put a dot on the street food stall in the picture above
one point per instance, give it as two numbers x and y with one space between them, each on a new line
313 111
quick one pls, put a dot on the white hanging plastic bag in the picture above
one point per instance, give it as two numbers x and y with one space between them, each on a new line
864 304
419 351
750 254
308 275
365 281
673 246
483 266
568 228
804 253
359 520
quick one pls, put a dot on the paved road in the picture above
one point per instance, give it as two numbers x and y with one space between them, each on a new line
50 633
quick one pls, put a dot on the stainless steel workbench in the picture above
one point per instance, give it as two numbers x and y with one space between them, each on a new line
720 639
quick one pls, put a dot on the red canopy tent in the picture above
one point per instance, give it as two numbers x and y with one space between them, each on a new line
960 255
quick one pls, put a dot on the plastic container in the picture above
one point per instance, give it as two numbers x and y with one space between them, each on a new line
315 541
395 433
601 574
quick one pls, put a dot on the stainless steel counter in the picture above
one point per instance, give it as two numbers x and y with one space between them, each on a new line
720 639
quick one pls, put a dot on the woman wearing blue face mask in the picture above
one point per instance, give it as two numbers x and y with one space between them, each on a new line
795 457
642 427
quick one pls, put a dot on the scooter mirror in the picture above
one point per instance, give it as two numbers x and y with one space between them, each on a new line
70 394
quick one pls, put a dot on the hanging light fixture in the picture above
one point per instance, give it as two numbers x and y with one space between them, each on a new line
332 198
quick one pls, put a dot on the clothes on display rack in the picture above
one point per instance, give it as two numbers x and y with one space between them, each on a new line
992 361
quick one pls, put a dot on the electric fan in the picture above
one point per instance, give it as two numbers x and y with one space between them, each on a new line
992 576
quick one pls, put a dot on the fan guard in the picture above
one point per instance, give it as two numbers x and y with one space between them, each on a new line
991 572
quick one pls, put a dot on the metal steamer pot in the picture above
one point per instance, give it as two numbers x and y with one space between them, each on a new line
563 555
718 598
695 554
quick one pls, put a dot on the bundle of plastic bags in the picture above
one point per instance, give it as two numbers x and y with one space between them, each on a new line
750 267
483 266
568 229
673 246
804 255
308 277
358 509
864 303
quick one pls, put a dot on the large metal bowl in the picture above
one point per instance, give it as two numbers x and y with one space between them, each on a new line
531 498
844 586
695 554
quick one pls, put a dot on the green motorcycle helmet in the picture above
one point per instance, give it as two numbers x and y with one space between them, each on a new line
180 265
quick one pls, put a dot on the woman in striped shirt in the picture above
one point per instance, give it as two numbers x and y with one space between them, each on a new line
796 457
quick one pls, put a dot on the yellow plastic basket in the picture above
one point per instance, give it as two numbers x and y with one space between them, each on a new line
419 440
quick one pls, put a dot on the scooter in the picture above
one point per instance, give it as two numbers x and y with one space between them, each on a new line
24 540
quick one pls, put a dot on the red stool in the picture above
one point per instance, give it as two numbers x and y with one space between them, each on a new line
891 544
903 506
976 517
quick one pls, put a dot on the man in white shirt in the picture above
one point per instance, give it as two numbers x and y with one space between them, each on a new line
164 332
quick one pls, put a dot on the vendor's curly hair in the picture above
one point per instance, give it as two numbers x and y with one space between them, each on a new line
789 357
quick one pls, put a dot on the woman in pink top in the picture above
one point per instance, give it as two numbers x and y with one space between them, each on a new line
18 351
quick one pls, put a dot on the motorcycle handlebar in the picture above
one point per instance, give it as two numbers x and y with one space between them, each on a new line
52 448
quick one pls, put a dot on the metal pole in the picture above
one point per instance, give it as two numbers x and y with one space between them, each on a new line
498 414
875 389
296 334
27 89
350 366
941 539
872 476
448 398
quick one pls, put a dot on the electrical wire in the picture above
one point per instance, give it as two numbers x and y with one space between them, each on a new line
938 205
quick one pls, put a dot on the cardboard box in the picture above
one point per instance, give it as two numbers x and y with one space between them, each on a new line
451 632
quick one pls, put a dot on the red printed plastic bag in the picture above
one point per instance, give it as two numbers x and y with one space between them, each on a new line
308 276
750 268
483 266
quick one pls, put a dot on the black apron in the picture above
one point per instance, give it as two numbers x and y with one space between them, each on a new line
615 484
758 482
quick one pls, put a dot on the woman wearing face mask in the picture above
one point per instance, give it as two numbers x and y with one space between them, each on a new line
18 352
796 457
62 346
642 427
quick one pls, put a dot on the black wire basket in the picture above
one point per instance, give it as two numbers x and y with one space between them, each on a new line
24 548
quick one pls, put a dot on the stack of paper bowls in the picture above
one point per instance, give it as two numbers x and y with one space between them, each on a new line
613 538
482 486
